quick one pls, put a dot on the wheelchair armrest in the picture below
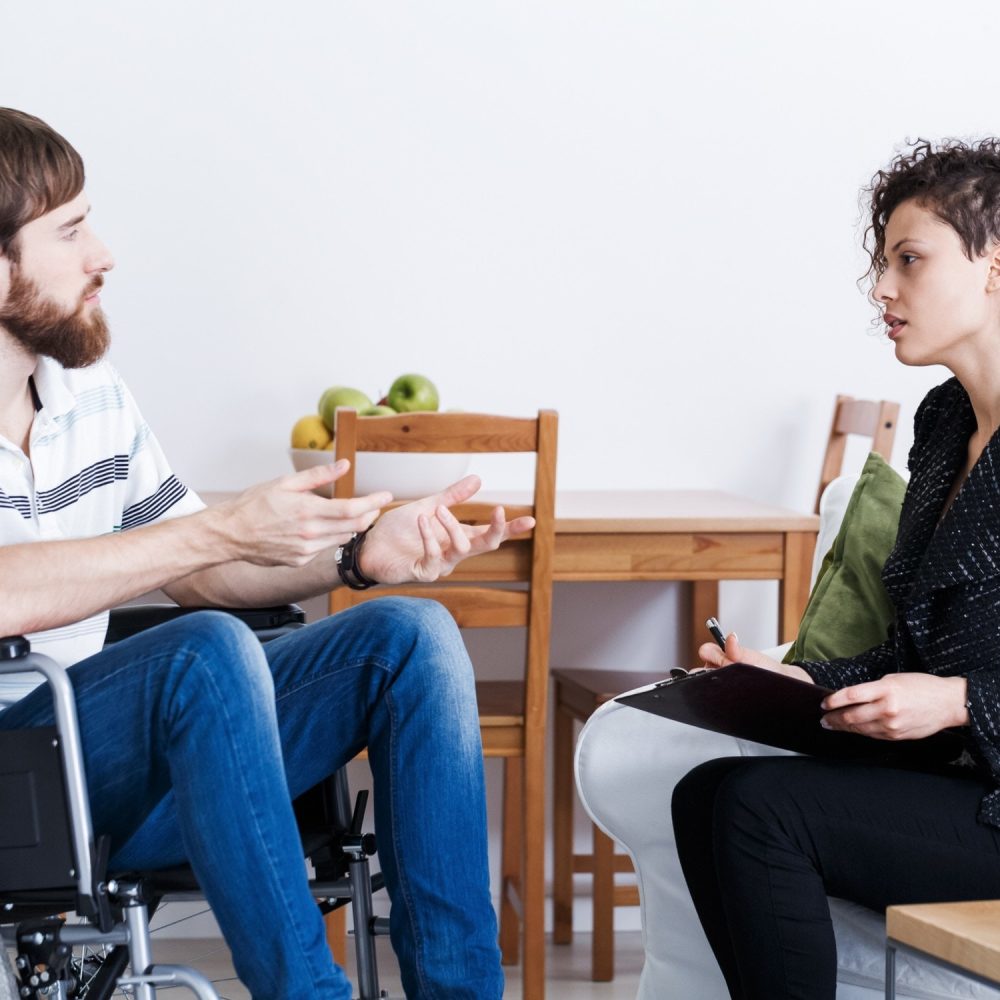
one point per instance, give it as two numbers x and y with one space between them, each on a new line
16 657
268 623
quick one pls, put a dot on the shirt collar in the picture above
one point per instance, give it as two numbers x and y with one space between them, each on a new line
50 382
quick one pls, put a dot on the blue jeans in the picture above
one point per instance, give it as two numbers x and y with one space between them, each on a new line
196 739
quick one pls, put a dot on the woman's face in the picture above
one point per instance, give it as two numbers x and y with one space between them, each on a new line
939 305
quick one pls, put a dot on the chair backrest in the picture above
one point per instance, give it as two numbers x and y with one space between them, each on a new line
521 561
864 417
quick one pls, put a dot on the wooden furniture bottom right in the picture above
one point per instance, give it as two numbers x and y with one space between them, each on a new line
963 937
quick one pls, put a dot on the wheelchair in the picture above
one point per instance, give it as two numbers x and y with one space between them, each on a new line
52 862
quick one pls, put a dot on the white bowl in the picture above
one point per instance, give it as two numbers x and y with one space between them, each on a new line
406 477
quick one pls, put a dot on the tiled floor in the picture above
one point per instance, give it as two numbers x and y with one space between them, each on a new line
568 968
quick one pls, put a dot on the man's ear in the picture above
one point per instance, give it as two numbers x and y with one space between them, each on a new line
5 266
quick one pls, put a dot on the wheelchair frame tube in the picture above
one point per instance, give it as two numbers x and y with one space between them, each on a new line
71 750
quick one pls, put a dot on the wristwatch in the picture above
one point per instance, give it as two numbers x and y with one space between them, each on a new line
347 558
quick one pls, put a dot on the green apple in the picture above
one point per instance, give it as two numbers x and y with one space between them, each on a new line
377 411
340 395
410 393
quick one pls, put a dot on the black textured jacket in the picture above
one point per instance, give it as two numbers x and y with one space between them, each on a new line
944 579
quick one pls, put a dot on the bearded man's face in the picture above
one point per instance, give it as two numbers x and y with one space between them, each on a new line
55 269
75 337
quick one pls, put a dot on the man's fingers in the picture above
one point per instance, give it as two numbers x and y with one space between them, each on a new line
459 492
520 525
432 548
318 475
456 532
355 507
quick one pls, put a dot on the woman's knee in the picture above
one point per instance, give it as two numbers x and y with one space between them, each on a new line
699 787
759 798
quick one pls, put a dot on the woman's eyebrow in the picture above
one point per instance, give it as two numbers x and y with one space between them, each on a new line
905 239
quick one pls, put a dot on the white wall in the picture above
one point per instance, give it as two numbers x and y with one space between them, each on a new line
642 214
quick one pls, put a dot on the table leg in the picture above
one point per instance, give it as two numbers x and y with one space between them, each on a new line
794 587
704 604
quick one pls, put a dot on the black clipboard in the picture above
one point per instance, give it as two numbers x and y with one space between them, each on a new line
751 703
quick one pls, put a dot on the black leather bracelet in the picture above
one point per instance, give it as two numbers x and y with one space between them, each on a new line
348 558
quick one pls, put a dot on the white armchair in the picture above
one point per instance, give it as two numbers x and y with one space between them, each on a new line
627 764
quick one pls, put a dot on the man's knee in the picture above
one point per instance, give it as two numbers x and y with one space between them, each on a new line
417 617
409 628
220 651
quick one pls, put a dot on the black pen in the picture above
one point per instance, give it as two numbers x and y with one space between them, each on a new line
715 628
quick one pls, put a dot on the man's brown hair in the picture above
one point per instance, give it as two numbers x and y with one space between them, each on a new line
39 171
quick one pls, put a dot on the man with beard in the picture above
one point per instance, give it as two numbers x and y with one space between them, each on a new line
195 737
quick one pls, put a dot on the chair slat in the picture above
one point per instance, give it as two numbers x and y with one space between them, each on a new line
447 432
473 607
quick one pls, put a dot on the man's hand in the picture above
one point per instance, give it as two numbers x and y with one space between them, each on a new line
905 706
422 541
283 523
712 656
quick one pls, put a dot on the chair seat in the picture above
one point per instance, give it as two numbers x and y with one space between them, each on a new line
580 692
501 703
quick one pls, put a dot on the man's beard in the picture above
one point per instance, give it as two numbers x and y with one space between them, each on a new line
44 327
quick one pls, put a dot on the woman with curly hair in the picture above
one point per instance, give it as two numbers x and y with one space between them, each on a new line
764 841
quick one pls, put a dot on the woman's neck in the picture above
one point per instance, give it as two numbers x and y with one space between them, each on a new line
978 369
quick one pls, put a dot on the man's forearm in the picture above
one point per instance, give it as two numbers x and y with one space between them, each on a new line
47 584
244 585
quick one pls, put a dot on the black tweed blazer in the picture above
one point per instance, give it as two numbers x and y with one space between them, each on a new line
944 579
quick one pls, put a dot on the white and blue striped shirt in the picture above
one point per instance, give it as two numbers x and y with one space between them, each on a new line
94 468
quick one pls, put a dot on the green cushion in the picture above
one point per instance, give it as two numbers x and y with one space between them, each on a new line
849 610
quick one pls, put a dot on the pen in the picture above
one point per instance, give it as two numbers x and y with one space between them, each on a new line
713 626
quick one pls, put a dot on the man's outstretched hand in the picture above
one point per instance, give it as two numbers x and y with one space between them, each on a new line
422 541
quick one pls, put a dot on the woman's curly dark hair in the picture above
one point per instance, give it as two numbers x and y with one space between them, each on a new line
958 181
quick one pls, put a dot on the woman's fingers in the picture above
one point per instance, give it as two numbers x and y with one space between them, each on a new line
711 655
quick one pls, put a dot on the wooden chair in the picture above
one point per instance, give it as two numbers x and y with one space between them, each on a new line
964 937
512 714
578 693
864 417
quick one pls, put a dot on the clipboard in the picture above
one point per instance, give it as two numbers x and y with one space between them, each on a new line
751 703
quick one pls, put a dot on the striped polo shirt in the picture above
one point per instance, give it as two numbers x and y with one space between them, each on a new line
94 468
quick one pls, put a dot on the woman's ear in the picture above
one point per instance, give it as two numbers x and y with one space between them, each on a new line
993 274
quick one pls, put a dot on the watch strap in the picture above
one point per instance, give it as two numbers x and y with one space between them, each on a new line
348 558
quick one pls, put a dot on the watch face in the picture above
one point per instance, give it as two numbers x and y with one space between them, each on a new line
338 556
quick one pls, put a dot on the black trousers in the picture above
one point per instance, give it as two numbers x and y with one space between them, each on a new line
764 840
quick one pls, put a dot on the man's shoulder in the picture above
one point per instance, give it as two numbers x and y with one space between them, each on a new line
68 393
78 380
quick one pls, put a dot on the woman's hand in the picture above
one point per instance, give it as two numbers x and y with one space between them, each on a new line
905 706
712 656
423 541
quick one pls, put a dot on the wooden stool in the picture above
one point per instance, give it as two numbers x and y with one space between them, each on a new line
578 694
962 936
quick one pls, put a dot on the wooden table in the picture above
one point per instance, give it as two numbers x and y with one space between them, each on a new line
702 536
